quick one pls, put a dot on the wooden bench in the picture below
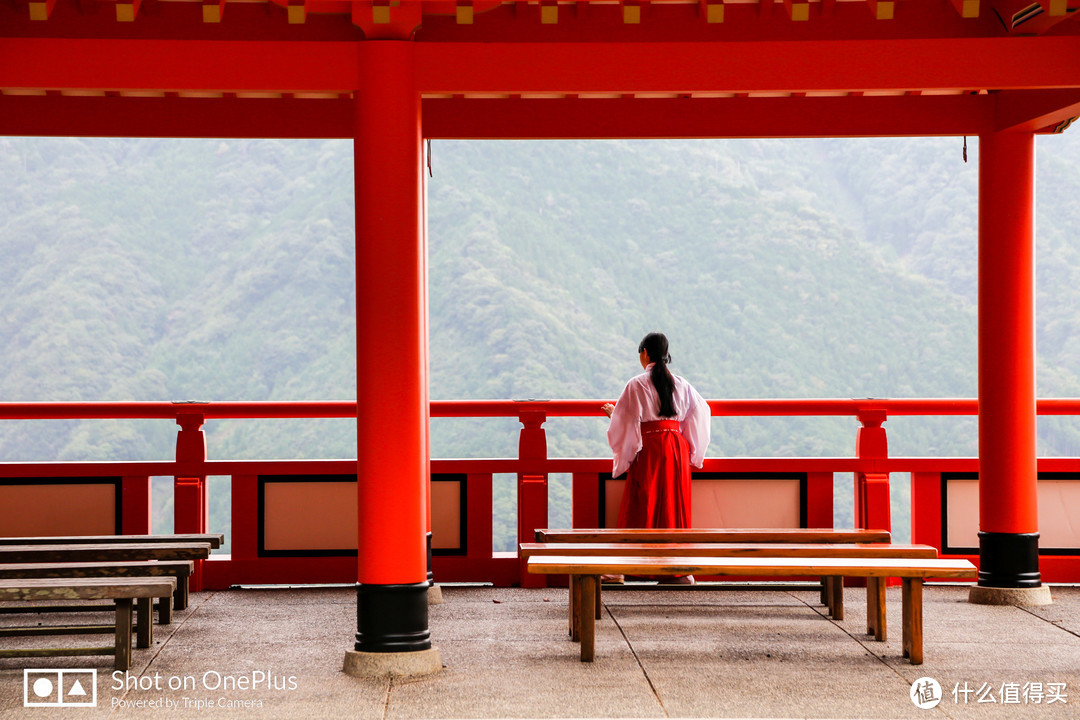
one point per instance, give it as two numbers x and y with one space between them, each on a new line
122 591
213 539
833 586
831 590
118 552
179 569
703 535
587 571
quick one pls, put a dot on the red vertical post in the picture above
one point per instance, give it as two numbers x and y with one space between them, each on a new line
391 357
585 504
819 500
532 485
427 364
1008 510
926 519
191 508
135 506
872 502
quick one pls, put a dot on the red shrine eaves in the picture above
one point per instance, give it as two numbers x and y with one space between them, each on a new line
604 69
390 74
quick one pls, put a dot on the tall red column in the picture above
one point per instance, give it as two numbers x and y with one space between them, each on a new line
1008 511
391 354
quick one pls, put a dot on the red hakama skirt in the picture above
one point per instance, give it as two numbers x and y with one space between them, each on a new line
657 490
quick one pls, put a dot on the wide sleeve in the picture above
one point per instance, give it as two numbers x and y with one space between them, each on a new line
696 427
624 432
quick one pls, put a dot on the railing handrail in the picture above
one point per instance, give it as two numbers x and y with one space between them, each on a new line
765 407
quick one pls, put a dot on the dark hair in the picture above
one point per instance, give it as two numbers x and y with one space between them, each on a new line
656 346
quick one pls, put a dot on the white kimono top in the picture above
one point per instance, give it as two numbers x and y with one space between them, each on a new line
639 403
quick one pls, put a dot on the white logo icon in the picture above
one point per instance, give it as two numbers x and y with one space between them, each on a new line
926 693
59 688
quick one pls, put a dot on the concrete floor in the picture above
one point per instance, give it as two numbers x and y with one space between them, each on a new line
660 653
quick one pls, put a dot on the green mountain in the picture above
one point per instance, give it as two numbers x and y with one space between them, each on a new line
222 269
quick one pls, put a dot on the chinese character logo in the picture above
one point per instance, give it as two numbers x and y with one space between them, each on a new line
926 693
59 688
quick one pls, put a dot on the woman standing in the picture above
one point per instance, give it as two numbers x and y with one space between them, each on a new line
659 428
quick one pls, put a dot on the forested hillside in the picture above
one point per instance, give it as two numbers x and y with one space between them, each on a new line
211 270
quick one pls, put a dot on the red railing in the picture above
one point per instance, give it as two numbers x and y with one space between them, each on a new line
871 467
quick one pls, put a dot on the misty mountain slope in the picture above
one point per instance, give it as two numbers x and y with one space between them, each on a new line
152 269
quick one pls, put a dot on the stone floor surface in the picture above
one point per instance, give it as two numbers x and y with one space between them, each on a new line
703 652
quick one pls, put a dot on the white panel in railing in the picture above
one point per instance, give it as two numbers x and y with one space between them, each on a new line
730 502
1059 513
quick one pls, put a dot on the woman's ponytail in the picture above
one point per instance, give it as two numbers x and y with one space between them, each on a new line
656 346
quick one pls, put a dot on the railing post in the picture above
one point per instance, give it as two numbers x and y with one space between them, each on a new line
532 484
872 504
135 507
191 509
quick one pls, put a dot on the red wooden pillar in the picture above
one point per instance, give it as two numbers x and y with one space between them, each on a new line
391 356
532 486
135 507
191 507
872 502
1008 520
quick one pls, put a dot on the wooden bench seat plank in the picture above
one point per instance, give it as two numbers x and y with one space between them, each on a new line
747 535
213 539
699 549
766 566
84 588
103 552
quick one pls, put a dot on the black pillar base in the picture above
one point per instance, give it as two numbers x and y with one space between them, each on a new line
392 618
430 575
1009 560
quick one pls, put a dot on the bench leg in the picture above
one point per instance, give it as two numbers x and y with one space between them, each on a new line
181 595
165 608
875 608
123 634
837 609
144 622
575 607
913 621
825 592
599 606
588 622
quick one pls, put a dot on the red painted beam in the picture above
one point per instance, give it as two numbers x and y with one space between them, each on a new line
708 117
1033 111
502 119
454 68
172 117
270 66
942 64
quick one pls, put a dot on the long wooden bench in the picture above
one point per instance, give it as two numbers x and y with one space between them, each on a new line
703 535
113 552
832 597
831 591
122 591
179 569
213 539
913 572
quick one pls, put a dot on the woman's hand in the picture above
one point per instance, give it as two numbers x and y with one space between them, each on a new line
608 408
